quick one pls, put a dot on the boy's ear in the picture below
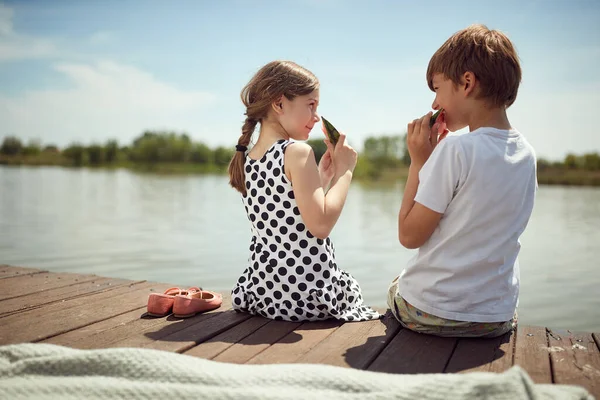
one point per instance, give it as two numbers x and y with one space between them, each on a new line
278 105
469 82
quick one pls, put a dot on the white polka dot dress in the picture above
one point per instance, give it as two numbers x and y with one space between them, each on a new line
292 275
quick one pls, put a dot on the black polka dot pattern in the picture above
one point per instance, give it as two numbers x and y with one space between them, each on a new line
292 275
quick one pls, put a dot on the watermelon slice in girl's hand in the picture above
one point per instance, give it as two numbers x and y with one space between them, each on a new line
330 132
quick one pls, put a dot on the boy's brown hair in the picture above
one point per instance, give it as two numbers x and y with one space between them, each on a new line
489 55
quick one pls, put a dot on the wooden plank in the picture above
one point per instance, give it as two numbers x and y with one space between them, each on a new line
57 318
132 329
531 353
507 348
218 344
36 300
7 271
187 338
354 344
91 336
477 354
575 359
11 288
134 332
297 343
145 333
414 353
257 342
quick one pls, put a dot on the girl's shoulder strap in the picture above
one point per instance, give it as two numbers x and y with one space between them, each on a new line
286 143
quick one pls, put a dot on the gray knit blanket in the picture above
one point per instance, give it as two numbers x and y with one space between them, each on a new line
44 371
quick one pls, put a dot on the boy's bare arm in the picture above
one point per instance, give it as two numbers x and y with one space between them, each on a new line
416 223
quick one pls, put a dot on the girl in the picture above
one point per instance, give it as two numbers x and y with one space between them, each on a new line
292 274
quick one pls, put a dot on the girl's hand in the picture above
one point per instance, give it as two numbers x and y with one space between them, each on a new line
344 157
326 167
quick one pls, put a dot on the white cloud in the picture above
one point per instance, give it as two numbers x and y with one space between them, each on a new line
6 15
102 37
103 100
14 46
106 100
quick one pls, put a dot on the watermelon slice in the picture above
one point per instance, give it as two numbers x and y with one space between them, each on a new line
332 134
434 117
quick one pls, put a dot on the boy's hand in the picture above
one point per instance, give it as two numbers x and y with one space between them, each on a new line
421 139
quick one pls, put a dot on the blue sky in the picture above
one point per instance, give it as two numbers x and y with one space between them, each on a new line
92 70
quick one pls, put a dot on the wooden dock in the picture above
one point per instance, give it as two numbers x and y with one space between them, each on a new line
91 312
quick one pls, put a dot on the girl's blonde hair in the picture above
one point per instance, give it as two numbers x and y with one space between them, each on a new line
276 79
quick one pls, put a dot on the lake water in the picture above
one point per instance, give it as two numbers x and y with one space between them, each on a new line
192 230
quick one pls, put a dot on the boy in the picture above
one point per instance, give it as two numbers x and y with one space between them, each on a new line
467 199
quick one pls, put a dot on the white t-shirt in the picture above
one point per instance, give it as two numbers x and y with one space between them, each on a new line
484 182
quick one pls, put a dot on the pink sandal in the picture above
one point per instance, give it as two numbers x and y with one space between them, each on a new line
186 306
161 304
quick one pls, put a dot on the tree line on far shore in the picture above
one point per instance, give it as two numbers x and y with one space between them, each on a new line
156 148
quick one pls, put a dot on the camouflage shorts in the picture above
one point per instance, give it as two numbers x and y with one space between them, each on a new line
419 321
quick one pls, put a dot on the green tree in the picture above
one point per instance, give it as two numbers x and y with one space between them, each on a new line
571 161
51 148
154 147
319 148
126 153
543 164
96 154
180 148
222 156
405 153
75 153
591 161
146 149
384 151
11 146
111 151
366 169
33 148
201 154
